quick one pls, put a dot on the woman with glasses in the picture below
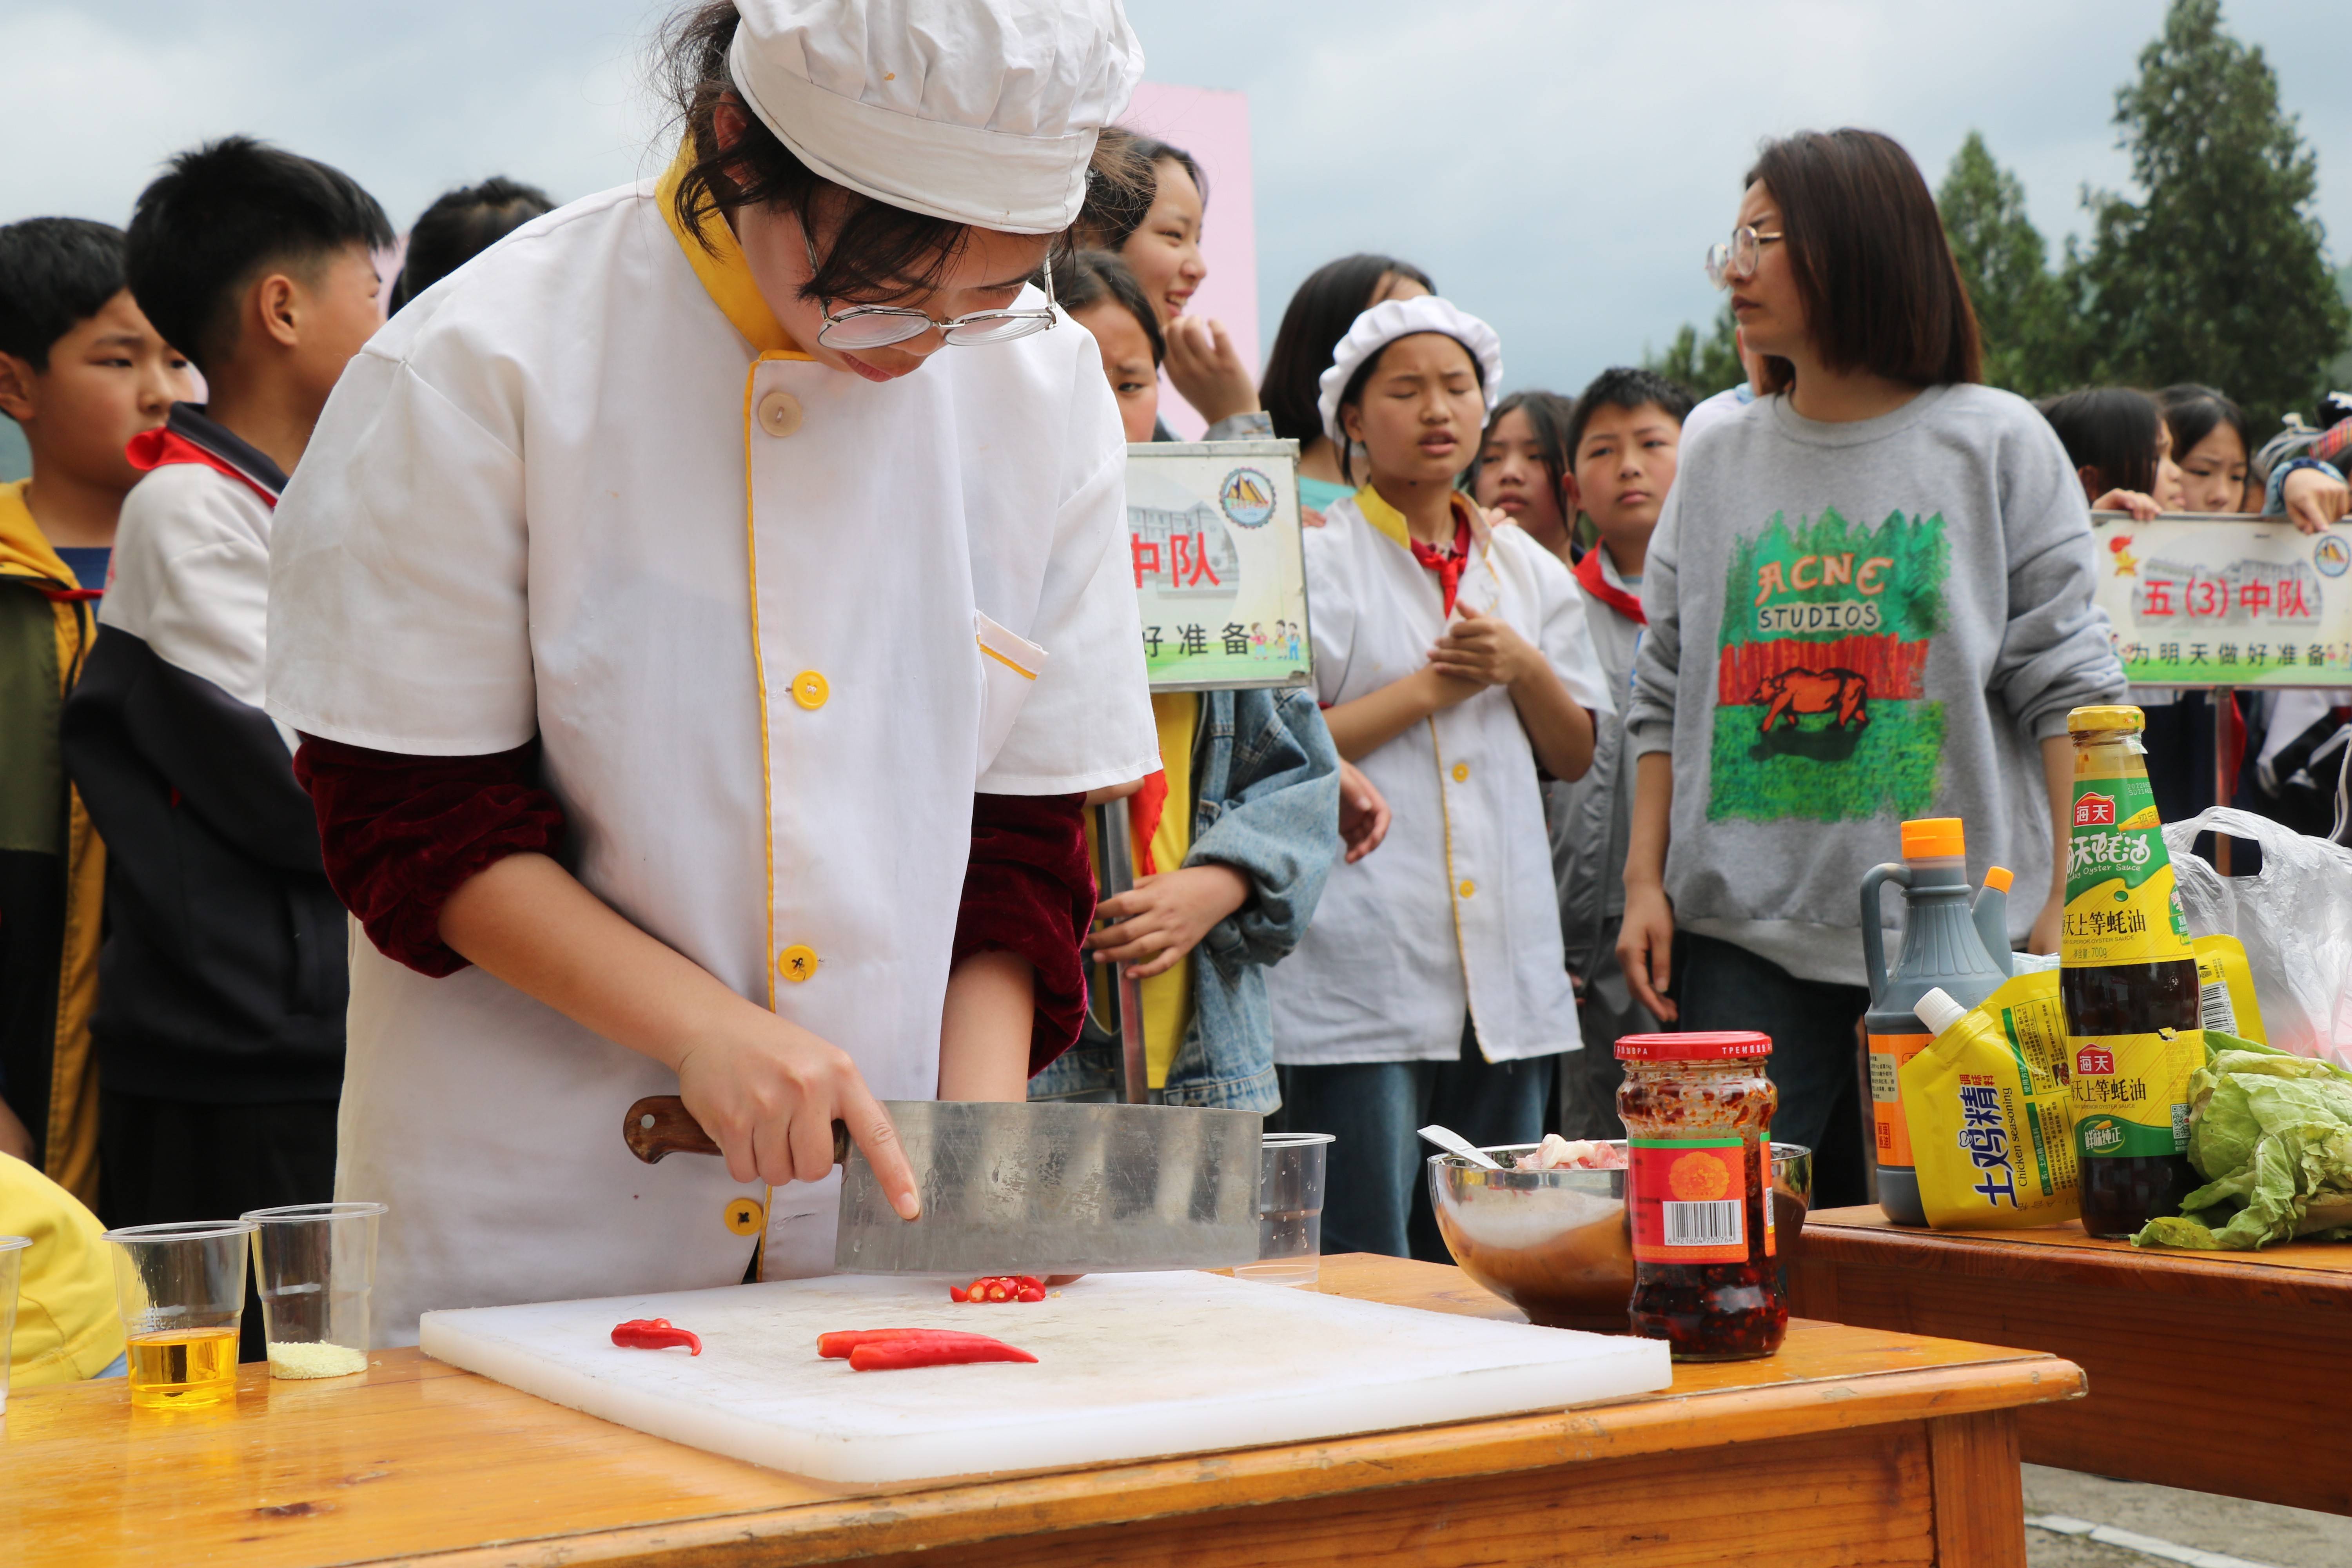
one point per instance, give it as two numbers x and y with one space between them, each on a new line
686 614
1869 599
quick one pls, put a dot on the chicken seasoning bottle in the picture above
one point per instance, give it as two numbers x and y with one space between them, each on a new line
1698 1109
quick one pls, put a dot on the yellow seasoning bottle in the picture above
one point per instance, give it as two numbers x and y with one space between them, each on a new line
2129 982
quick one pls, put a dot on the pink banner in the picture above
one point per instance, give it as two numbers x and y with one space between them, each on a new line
1214 126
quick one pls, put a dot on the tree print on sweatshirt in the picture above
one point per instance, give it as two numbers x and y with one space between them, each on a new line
1820 711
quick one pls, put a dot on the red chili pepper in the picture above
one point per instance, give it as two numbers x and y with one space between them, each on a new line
1029 1282
837 1346
1031 1294
653 1334
896 1355
956 1293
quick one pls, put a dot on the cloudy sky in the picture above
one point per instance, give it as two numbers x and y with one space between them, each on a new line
1559 165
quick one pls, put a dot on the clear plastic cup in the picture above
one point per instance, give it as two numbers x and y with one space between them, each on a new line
12 1264
315 1266
1289 1210
181 1290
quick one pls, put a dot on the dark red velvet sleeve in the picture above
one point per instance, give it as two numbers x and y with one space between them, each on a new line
1030 890
400 833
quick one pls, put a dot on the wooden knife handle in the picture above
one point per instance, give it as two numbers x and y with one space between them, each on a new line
660 1124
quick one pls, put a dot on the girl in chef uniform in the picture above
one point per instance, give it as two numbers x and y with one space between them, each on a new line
1454 662
687 606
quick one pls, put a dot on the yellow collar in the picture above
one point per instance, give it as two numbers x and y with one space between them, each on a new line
24 551
718 262
1390 521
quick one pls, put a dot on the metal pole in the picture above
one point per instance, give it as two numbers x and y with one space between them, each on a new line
2225 701
1112 832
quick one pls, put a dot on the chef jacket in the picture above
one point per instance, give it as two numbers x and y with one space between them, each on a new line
1455 911
773 625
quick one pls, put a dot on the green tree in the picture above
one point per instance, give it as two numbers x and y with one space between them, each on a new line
1703 368
2219 274
2029 345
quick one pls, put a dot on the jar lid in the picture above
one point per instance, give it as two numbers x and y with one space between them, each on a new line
1935 837
2093 720
1694 1046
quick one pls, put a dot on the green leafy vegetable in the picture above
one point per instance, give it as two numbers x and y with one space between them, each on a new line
2272 1135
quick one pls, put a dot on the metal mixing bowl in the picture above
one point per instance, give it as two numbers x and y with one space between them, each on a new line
1557 1244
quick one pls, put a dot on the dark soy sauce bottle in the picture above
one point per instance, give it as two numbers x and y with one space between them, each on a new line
2128 983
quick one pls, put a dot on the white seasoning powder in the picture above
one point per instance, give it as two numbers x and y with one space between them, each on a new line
319 1359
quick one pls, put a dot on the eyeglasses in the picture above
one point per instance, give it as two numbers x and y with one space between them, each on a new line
1736 262
880 326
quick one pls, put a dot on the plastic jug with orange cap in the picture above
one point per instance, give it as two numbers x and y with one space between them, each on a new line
1954 938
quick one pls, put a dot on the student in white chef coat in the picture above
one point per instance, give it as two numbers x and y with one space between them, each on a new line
687 605
1454 662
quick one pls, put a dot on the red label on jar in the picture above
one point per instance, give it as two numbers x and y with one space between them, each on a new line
1689 1198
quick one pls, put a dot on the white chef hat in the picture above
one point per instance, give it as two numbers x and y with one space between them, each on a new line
1390 319
978 112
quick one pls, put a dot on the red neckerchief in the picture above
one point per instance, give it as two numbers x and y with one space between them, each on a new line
1447 564
1143 813
1588 573
152 449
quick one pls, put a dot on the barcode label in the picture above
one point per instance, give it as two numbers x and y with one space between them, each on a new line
2213 999
1721 1223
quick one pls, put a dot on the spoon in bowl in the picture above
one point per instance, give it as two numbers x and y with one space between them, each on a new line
1454 1143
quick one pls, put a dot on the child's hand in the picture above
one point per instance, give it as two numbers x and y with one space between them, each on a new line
1485 650
1363 813
1645 948
1208 371
2314 500
1164 917
2143 508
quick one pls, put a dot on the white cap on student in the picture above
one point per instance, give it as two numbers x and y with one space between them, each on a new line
978 112
1390 319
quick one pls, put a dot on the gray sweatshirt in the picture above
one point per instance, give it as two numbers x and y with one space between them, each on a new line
1854 624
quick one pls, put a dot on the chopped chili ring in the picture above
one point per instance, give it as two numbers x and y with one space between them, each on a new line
655 1334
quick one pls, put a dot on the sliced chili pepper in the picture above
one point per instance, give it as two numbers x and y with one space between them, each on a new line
897 1356
956 1293
837 1346
653 1334
1029 1282
1031 1294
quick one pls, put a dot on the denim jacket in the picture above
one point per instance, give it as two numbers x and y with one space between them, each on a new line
1265 793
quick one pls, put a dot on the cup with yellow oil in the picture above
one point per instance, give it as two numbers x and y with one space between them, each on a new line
181 1290
315 1264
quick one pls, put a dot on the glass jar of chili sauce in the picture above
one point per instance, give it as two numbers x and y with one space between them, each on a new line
1698 1109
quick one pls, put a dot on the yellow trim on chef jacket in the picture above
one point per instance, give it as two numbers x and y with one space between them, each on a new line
720 267
1391 522
718 262
67 1327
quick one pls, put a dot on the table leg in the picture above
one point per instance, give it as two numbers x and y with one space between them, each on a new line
1980 1494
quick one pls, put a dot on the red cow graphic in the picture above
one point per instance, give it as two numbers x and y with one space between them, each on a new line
1791 692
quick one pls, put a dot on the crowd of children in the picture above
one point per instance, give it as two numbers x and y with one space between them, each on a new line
1615 699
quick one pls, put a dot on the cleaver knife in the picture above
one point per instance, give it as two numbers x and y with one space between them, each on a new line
1045 1188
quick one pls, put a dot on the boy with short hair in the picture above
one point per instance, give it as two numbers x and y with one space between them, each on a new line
1623 441
81 372
220 1020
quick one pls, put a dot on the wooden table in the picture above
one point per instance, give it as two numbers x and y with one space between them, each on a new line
2224 1372
1851 1445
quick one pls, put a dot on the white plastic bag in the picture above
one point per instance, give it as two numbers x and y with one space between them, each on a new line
2294 918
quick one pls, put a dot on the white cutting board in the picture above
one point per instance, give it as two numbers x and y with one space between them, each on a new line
1130 1366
